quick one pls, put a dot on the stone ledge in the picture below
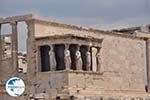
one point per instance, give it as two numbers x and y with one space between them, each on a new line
72 71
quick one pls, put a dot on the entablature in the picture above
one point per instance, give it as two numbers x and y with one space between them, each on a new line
69 39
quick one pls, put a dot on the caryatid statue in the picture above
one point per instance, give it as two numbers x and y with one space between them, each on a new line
78 59
67 57
98 58
88 59
52 59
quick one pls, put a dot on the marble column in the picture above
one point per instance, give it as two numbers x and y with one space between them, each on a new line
98 57
94 59
14 47
67 57
52 59
78 59
88 59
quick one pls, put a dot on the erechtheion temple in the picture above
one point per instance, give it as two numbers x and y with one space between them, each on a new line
67 62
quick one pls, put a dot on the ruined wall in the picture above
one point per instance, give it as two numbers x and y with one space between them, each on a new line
6 69
122 60
6 62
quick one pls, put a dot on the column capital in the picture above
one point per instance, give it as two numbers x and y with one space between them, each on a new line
67 46
88 48
78 47
51 47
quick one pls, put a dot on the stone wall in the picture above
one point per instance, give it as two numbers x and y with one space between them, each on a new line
122 60
52 83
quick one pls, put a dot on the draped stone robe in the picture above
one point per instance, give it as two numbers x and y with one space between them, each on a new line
78 61
98 56
88 61
67 59
52 60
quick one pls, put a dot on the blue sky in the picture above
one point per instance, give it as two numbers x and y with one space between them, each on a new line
103 14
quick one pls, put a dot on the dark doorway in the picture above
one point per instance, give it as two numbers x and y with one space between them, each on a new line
83 50
73 49
44 51
59 53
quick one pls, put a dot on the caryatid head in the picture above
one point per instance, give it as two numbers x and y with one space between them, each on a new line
51 47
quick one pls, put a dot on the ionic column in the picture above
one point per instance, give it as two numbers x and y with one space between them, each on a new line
14 47
52 59
88 59
67 57
78 59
